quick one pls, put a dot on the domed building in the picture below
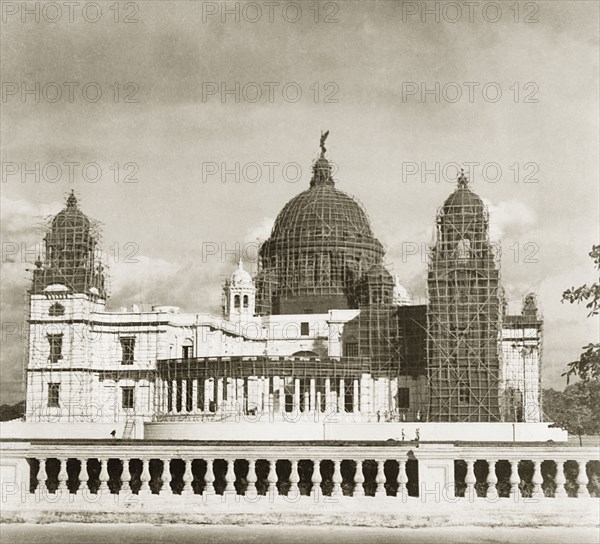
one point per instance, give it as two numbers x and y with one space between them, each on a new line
71 255
322 253
322 326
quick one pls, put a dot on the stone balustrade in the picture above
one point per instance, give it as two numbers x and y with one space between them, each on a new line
292 470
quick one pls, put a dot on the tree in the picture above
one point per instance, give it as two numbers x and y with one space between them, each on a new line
576 409
12 411
587 367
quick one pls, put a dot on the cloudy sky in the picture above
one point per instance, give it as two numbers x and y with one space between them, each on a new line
208 121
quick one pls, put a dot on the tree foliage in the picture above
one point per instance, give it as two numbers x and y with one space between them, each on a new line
576 409
587 367
12 411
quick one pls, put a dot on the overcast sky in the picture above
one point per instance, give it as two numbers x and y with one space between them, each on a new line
171 236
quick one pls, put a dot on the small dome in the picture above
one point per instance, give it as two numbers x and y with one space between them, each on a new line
241 278
71 217
462 198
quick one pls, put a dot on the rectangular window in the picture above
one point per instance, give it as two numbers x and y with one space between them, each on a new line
351 349
53 395
403 398
127 400
127 348
55 341
187 352
304 329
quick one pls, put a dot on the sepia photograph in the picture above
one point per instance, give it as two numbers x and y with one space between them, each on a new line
301 272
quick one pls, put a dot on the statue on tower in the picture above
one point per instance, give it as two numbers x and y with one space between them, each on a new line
322 144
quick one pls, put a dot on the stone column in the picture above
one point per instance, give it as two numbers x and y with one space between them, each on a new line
63 476
174 396
313 396
272 477
470 480
207 394
166 477
327 395
359 479
316 480
515 480
219 395
251 478
492 480
380 479
582 480
184 396
230 476
83 476
560 481
336 478
104 477
294 490
165 396
42 476
341 397
145 477
537 480
194 396
296 395
402 480
209 478
356 398
188 478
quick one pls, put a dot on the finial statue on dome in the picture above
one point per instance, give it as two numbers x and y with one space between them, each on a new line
72 200
322 144
462 179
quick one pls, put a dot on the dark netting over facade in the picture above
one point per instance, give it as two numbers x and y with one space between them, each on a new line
71 255
321 254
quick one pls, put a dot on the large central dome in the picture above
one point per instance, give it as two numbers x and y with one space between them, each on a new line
320 247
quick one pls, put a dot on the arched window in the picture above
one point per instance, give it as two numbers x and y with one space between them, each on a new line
187 348
56 310
245 301
236 302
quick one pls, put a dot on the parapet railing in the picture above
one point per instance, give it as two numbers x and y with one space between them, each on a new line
321 470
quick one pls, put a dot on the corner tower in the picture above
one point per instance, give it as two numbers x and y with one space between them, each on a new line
464 313
321 252
71 255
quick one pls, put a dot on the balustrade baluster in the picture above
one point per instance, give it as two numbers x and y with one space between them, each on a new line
492 480
209 478
470 480
166 476
359 478
515 480
582 480
380 479
145 477
42 476
537 480
83 476
125 476
63 476
316 479
402 480
230 476
251 478
272 477
188 478
104 476
294 479
336 478
560 481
